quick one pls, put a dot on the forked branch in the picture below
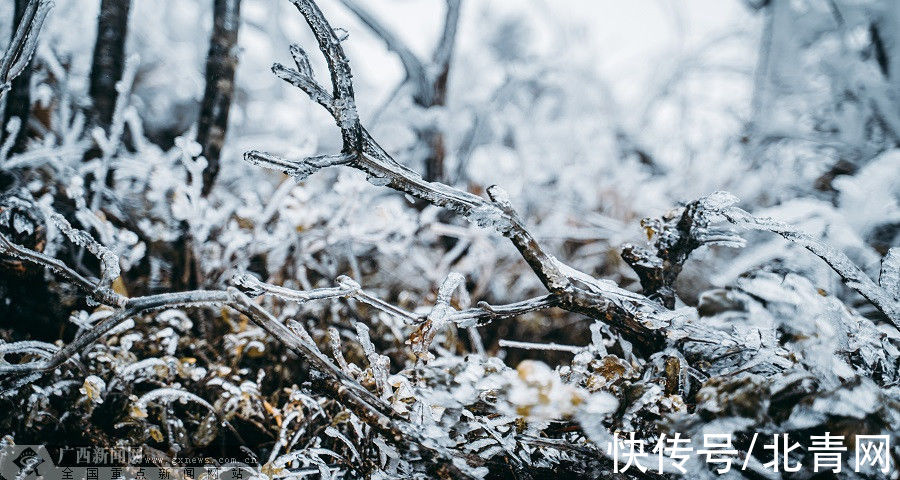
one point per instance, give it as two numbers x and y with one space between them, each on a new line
631 314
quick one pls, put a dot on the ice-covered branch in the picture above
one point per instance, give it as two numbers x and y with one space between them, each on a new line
18 101
334 381
347 289
339 69
850 274
677 234
620 311
251 286
24 41
109 262
486 312
299 169
131 308
482 314
303 79
428 79
553 347
101 294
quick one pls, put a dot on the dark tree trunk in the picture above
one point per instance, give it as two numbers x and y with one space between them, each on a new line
221 63
431 136
443 56
109 58
434 162
18 99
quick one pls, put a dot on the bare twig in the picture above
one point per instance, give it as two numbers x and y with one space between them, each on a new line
432 136
443 53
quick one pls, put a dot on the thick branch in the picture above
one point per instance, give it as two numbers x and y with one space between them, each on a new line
677 234
221 63
636 317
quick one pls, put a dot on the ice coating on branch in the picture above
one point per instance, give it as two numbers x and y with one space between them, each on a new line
341 34
301 332
301 59
850 274
334 338
169 395
379 364
347 117
487 216
378 181
718 201
109 262
889 279
248 284
32 347
438 317
299 170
